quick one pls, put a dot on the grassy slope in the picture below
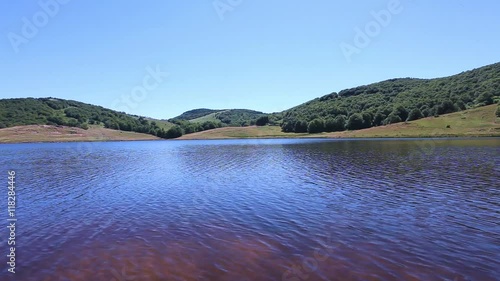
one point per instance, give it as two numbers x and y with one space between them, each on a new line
46 133
242 132
235 116
196 113
164 124
208 117
474 122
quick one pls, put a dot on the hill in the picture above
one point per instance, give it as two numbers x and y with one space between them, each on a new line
227 117
60 112
475 122
196 113
394 101
214 119
69 113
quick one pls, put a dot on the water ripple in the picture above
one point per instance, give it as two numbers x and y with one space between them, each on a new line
258 210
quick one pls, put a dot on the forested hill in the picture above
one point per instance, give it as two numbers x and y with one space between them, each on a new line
52 111
394 101
225 117
196 113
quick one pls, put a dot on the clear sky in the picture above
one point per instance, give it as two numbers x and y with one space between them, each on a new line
256 54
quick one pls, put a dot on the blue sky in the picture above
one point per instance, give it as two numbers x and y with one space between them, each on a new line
259 54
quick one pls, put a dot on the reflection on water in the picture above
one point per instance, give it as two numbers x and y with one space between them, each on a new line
257 210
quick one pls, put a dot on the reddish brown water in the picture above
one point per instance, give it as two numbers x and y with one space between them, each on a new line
257 210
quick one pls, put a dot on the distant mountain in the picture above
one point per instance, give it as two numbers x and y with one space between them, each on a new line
393 101
196 113
227 117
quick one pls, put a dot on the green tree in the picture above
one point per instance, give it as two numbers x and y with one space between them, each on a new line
288 126
262 121
339 123
426 112
300 126
208 125
378 119
484 98
392 118
400 111
161 133
316 126
460 105
71 122
415 114
189 129
110 124
445 107
125 126
355 122
367 119
174 132
56 120
330 124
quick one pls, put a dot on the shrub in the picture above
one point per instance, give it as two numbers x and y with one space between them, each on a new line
262 121
84 126
174 132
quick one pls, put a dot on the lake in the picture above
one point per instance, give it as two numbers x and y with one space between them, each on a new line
255 210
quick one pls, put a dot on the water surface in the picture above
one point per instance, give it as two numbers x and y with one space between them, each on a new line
256 210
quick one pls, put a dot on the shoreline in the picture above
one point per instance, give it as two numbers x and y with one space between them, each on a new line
77 141
441 137
350 137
